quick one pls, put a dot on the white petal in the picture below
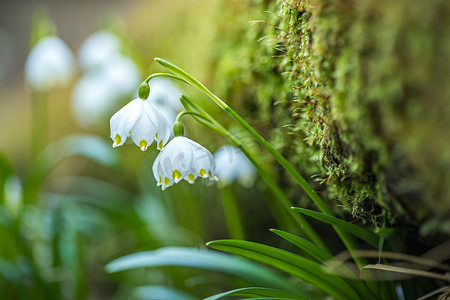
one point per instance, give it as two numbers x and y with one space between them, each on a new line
123 120
155 167
203 160
143 132
164 129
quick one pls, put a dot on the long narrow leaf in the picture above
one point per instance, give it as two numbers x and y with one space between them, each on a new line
256 292
357 231
322 256
203 259
293 264
318 253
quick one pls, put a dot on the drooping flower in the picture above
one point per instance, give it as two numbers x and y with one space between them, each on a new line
182 158
234 165
49 64
143 121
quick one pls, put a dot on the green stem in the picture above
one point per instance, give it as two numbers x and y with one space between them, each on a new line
279 194
39 130
346 239
176 77
232 216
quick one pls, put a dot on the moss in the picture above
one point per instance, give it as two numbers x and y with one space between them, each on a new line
353 93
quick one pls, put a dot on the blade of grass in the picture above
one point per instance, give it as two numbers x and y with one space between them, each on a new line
254 292
203 259
355 230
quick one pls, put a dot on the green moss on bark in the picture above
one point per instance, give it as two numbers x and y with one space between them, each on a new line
354 93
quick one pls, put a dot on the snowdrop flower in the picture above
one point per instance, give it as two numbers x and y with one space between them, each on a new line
234 165
50 63
143 121
98 49
183 158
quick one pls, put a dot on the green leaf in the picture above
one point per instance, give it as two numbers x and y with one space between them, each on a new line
315 251
256 292
357 231
322 256
291 263
203 259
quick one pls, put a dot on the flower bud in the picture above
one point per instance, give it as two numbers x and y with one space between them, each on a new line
144 90
178 129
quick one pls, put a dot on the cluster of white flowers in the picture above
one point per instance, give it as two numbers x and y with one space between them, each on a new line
181 158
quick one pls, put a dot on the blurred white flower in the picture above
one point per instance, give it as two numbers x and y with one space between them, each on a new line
165 93
182 158
92 99
122 74
109 78
98 49
143 121
234 165
50 63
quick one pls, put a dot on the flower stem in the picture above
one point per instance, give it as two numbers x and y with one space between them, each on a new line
232 215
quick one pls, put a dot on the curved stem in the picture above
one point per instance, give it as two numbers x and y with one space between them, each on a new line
188 112
168 75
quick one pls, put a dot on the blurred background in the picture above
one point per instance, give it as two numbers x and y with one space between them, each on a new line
341 97
70 202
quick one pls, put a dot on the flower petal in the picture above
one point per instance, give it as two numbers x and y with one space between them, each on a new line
144 130
123 121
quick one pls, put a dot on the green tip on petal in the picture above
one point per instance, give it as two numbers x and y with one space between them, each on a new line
144 90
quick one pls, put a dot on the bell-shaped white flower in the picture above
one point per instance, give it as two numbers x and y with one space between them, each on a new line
182 158
234 165
50 63
143 121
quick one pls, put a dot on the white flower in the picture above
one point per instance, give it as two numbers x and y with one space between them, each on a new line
98 49
234 165
143 121
183 158
50 63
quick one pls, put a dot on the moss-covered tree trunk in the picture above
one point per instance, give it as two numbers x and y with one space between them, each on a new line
355 93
